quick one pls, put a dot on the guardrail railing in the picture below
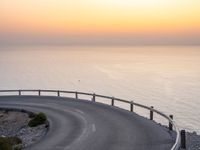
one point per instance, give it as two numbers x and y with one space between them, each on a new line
172 124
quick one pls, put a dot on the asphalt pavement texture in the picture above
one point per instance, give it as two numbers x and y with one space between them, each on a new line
85 125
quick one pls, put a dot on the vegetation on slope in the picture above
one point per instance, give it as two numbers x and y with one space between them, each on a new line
37 120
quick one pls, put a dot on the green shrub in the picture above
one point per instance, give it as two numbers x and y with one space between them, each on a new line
4 144
31 115
7 143
37 120
14 140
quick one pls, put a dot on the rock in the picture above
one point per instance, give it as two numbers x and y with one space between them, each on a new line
17 147
47 125
192 141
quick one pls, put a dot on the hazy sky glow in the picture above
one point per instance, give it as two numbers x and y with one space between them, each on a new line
130 18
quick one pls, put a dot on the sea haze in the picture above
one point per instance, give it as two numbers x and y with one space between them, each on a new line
167 78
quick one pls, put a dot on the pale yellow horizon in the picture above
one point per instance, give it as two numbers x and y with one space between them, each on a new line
96 16
100 17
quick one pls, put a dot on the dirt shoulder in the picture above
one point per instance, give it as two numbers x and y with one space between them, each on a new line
15 124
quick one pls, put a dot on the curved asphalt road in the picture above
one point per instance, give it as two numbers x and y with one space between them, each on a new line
84 125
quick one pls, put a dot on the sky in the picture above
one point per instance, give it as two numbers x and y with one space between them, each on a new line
100 22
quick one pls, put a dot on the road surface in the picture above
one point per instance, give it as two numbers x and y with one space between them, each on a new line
83 125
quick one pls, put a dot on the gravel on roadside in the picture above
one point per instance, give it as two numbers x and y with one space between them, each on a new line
13 123
192 141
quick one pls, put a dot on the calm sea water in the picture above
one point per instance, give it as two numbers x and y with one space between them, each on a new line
166 77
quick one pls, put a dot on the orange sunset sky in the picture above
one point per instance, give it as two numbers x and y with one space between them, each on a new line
159 21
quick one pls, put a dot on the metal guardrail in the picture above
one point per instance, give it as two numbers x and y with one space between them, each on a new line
172 124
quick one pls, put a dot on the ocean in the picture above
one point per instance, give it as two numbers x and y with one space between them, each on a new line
166 77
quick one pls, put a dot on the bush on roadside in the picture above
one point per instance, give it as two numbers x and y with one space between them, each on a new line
8 143
31 115
4 144
37 120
